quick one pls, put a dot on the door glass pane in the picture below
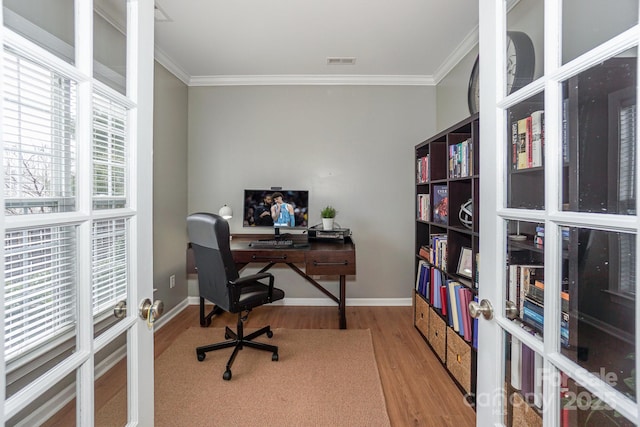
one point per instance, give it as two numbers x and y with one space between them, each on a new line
110 43
110 166
110 270
601 302
525 154
581 408
524 384
525 275
40 410
39 121
589 23
525 44
599 138
111 384
39 307
49 24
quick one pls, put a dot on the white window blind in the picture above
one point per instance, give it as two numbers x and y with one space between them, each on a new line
40 283
109 153
40 172
39 113
109 263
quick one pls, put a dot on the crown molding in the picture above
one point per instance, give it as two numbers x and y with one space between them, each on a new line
164 60
313 80
463 49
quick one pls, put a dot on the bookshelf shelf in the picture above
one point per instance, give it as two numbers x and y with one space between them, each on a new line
446 248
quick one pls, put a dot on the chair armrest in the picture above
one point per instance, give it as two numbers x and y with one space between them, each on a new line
250 279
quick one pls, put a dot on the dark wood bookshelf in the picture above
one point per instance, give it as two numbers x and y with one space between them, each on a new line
453 162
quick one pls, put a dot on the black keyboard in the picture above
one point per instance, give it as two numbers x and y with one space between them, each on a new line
271 244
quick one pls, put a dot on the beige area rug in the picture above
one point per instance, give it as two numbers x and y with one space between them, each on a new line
323 377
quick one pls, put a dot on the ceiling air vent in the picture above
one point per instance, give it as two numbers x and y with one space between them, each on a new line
341 60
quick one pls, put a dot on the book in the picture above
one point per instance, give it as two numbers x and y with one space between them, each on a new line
439 251
424 252
465 297
537 138
423 207
527 376
443 301
516 363
523 144
514 145
459 307
451 298
422 169
440 204
423 279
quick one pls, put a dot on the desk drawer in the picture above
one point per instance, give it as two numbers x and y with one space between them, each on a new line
330 262
243 257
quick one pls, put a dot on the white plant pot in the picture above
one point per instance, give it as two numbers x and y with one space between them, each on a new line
327 223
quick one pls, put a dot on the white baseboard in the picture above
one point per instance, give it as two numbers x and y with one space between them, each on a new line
321 302
166 317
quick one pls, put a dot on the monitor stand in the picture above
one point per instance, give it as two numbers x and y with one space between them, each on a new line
283 236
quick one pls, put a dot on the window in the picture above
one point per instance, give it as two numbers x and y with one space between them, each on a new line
39 114
40 173
40 283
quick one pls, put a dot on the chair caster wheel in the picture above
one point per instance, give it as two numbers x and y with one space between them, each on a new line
269 334
274 357
227 375
201 356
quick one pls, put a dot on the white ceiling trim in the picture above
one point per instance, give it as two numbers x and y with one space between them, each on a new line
164 60
315 80
465 46
469 43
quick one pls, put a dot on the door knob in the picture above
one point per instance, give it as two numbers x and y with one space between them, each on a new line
511 310
484 308
120 310
150 311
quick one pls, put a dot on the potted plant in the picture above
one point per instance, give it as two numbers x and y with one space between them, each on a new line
328 214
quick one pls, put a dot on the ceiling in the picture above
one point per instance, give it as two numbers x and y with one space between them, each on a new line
220 42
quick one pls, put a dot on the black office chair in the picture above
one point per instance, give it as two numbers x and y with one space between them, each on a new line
220 283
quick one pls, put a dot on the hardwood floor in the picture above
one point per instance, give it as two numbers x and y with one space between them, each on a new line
418 391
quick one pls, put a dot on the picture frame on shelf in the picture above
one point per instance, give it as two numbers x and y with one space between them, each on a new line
465 263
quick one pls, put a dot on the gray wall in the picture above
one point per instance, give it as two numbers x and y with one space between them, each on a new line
169 186
452 105
350 146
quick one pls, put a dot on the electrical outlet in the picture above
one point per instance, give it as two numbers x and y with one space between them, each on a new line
172 281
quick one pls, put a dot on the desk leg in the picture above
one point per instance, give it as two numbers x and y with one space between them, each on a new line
342 303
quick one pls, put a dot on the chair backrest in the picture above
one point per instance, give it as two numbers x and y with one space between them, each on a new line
209 237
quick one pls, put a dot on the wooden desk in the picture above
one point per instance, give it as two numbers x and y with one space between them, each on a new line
317 258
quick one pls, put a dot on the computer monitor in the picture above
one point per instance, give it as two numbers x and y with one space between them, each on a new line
277 209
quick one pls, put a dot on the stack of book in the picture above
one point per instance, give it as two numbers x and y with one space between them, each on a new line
423 207
461 159
527 141
526 291
438 251
422 169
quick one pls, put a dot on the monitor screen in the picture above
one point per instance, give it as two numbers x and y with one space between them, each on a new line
276 208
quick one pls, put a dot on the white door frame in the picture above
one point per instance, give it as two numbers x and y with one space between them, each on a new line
140 390
493 104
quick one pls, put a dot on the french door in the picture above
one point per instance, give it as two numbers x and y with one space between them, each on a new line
558 223
76 133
